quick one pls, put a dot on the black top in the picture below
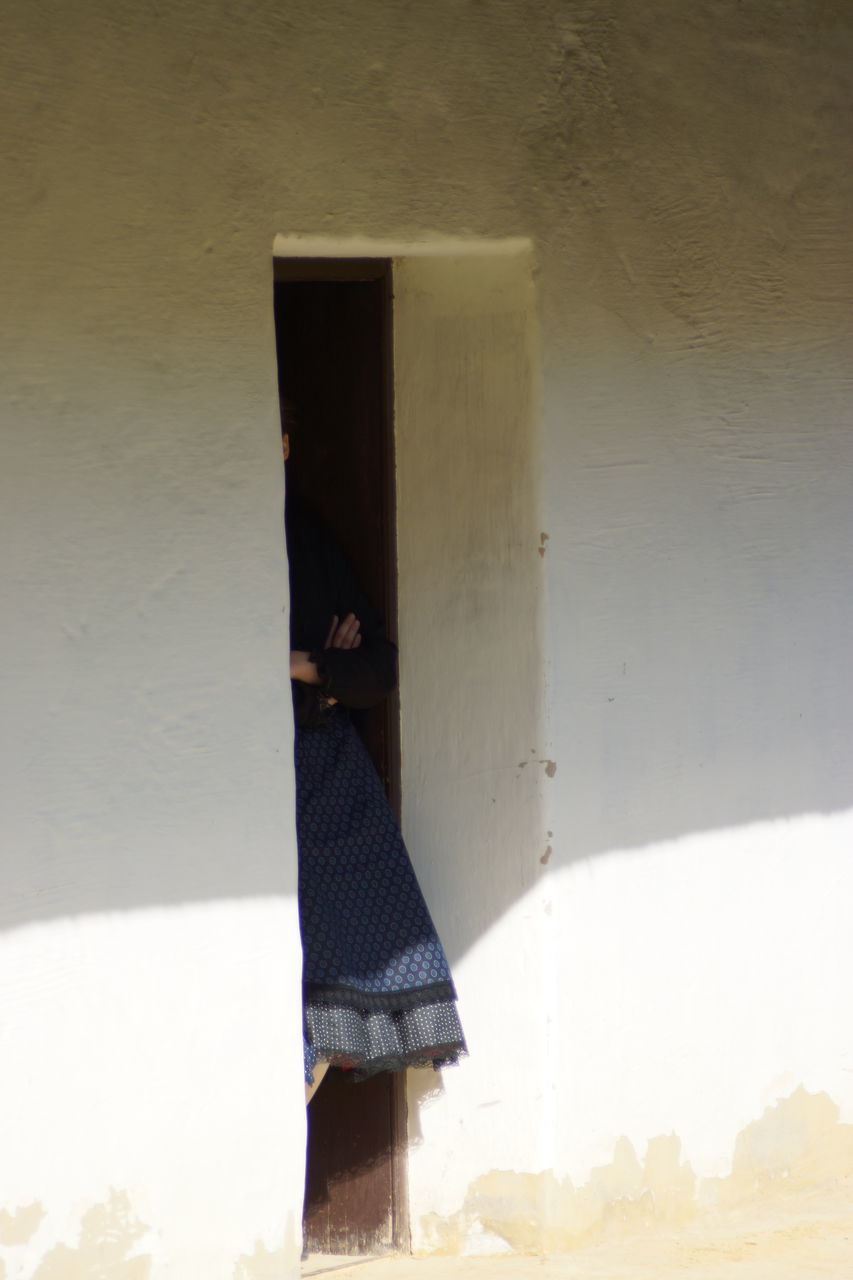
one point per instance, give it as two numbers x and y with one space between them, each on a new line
323 585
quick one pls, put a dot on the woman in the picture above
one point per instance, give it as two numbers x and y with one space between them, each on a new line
377 990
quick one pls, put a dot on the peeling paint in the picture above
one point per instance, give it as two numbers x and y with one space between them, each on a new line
797 1141
270 1264
539 1212
18 1227
108 1232
262 1264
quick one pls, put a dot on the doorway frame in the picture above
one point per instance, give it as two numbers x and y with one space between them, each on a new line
439 279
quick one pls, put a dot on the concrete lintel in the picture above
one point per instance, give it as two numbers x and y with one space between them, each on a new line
313 246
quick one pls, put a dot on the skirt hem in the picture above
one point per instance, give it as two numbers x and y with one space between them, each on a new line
367 1041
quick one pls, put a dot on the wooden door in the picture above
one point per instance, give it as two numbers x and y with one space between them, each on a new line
333 333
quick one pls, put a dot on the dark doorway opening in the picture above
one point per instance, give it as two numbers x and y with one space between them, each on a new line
333 338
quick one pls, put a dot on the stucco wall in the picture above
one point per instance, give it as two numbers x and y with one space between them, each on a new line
153 1104
470 603
680 173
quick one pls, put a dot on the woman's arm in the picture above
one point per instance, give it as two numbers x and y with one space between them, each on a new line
358 665
355 669
341 635
302 668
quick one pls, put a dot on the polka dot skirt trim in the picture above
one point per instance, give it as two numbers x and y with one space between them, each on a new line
365 1043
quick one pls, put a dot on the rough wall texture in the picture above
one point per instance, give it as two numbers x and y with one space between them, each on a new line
470 614
681 171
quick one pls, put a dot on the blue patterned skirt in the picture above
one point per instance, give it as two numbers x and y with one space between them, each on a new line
377 990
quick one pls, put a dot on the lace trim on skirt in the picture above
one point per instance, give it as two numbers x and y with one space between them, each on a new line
365 1041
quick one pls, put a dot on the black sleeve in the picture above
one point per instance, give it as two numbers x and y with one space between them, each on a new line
309 705
358 678
361 677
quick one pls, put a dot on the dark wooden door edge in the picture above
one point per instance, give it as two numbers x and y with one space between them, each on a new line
389 492
401 1231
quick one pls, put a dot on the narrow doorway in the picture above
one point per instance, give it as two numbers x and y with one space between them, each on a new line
333 335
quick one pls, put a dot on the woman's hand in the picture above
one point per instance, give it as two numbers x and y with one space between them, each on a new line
302 668
344 635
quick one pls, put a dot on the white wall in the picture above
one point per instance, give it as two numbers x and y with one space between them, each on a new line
149 956
471 691
679 174
698 504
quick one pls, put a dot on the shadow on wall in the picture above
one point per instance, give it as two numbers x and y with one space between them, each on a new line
701 674
691 687
639 755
